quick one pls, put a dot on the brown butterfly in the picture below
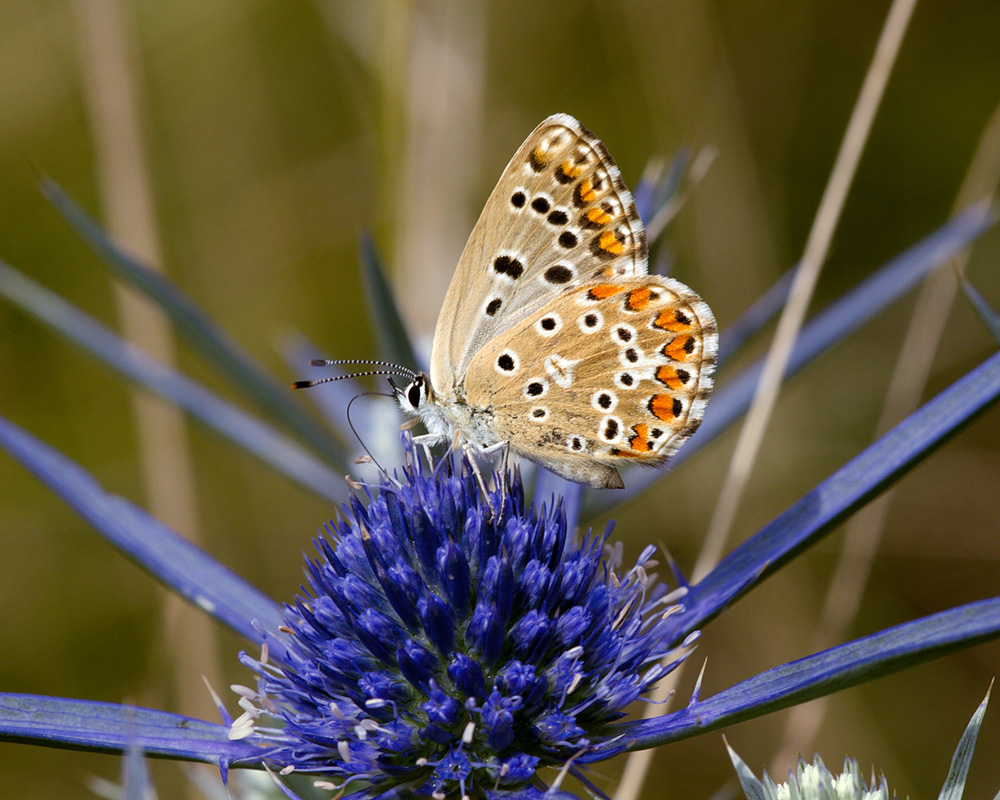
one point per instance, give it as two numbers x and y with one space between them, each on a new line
553 340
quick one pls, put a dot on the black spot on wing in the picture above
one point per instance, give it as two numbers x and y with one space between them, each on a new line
509 266
559 273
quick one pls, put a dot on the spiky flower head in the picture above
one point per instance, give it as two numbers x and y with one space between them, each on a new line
450 646
812 782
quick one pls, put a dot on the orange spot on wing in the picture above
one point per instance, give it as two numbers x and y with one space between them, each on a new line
585 193
625 453
662 407
604 290
610 243
569 169
638 299
679 348
640 440
669 377
599 216
672 320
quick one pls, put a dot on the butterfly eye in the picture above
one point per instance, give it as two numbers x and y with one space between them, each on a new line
414 392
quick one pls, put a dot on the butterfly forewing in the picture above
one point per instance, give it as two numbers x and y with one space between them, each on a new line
612 372
559 217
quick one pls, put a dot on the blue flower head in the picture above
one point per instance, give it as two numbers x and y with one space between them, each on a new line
448 649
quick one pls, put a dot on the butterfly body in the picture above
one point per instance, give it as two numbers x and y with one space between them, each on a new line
553 340
447 414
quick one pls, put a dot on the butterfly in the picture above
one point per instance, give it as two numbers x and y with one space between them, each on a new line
553 340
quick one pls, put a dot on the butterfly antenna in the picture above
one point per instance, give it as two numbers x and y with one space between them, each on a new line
357 435
394 369
390 369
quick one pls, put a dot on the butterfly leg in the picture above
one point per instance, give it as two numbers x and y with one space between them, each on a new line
425 441
471 455
504 448
505 473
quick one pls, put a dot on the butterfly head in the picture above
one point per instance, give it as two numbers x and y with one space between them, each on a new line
415 394
442 416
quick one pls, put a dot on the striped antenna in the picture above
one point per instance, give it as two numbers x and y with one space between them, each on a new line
390 369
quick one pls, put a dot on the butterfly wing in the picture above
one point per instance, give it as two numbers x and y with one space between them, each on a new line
612 372
560 216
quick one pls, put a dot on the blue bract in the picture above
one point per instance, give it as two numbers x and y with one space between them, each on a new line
444 647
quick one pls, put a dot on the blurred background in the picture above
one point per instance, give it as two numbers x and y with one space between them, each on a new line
243 146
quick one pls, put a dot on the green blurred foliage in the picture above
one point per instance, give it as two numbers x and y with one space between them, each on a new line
275 131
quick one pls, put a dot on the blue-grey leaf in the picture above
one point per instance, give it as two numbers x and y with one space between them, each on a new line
136 782
106 727
390 332
850 487
764 309
168 556
255 436
750 783
821 674
986 313
654 190
954 784
207 338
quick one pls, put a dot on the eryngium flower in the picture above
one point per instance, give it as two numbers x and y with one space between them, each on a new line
813 782
445 649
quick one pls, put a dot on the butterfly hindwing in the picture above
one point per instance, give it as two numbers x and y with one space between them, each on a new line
614 371
559 217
